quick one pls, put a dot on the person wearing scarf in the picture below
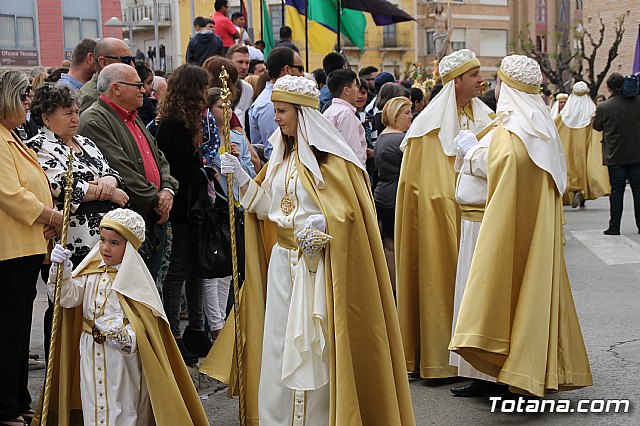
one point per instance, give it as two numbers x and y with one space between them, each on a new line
587 178
517 320
322 341
117 362
427 223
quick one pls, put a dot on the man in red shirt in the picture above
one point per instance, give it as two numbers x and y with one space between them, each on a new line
224 27
113 125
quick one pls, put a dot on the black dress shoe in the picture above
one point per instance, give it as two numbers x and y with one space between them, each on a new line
189 358
612 232
197 342
480 388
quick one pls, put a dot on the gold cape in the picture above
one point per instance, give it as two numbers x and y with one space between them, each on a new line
583 152
517 318
426 250
368 382
173 397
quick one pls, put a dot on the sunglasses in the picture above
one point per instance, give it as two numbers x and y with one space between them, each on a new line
138 85
300 68
26 94
124 59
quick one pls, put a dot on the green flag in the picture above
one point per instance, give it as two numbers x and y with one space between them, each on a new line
352 22
267 31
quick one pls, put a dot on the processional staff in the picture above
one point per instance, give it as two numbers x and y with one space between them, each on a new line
225 95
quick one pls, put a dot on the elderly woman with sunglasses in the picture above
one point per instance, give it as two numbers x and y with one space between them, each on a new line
28 220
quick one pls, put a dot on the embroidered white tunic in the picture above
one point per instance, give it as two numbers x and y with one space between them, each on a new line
112 387
293 386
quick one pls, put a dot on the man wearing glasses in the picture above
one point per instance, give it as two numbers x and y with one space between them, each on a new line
113 124
280 62
109 50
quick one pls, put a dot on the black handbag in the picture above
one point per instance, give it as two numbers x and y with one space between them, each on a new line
212 235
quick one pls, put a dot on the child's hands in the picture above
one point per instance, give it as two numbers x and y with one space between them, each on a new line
61 255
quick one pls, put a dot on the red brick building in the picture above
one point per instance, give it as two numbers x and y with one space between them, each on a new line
44 32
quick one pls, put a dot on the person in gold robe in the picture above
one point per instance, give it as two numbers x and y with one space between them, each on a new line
587 178
558 105
517 319
322 344
428 217
116 361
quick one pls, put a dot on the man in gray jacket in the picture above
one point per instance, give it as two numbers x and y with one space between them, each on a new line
618 118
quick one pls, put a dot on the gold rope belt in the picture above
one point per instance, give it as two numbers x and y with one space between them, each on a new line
286 239
87 325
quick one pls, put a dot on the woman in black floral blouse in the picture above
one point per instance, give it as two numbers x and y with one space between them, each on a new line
97 188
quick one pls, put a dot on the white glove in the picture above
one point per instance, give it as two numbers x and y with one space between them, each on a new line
464 142
117 336
315 221
61 255
230 164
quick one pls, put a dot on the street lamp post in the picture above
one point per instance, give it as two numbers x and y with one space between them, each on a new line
117 22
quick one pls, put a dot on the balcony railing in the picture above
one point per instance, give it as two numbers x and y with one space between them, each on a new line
137 14
398 41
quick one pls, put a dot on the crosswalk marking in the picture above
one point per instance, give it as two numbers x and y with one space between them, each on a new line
612 249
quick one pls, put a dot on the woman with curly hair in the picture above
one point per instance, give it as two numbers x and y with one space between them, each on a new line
180 138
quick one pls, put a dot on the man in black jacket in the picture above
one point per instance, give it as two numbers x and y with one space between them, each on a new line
204 42
618 118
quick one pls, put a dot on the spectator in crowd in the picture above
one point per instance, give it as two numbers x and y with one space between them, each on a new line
286 37
163 58
600 99
83 65
387 91
180 138
489 99
147 112
97 188
150 55
112 123
320 77
28 129
260 45
343 84
434 91
281 61
214 66
373 109
256 67
204 43
28 220
140 58
65 64
418 100
38 80
397 117
55 74
239 55
368 74
224 27
618 118
109 50
238 20
331 62
159 88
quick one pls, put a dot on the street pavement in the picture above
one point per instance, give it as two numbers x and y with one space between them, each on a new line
605 277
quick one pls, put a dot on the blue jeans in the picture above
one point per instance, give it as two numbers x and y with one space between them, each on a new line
618 176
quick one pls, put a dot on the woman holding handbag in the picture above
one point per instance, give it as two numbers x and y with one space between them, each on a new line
180 137
216 290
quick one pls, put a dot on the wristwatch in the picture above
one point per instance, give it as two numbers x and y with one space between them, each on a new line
170 191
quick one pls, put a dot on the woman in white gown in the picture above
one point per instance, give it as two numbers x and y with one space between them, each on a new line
317 330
